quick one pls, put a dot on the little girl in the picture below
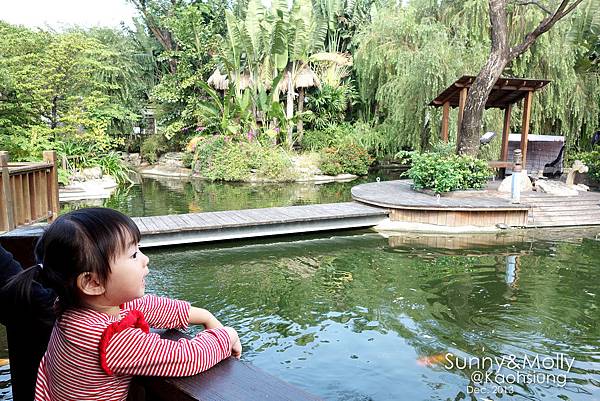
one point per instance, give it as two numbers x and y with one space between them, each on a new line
101 338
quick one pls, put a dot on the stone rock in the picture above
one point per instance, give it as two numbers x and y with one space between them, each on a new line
134 159
506 184
90 189
171 159
556 188
92 173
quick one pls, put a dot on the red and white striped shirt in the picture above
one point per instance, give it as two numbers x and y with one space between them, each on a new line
93 356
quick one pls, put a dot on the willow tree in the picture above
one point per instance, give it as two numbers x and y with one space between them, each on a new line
500 56
407 55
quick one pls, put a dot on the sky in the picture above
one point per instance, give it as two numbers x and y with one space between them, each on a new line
59 14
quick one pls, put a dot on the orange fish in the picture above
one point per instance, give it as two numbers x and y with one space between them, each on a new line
432 360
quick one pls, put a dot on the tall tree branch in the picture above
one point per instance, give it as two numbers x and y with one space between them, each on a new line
543 27
534 3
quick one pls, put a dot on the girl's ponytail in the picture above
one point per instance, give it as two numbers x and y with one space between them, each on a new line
20 287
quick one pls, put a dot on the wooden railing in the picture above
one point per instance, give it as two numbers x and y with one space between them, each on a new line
28 191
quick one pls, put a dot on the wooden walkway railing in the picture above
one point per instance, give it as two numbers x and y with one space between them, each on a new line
28 191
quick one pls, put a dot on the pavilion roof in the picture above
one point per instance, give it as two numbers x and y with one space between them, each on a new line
506 91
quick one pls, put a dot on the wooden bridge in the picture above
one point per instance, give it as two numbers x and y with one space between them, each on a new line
251 223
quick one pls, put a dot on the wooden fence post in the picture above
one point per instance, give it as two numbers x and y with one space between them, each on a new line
6 199
52 177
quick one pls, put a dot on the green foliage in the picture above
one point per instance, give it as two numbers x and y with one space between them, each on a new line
330 135
347 158
112 165
79 92
592 160
152 147
194 30
328 105
449 172
274 164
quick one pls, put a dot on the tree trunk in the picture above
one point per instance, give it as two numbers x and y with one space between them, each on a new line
500 56
300 110
470 128
289 112
54 117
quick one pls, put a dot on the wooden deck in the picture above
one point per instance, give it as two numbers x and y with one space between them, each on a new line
249 223
480 208
563 211
238 224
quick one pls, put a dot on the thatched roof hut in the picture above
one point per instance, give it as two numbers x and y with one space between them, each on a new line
245 80
218 81
304 78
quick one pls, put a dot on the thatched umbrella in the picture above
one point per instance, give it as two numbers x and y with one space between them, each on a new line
218 81
305 77
245 80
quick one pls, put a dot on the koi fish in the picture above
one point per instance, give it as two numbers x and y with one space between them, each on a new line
432 360
4 362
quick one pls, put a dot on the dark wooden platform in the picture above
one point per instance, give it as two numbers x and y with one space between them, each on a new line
229 380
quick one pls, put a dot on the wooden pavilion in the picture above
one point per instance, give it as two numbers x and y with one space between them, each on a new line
505 93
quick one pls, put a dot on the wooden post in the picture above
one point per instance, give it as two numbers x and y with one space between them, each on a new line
461 109
505 133
525 126
445 118
52 187
6 198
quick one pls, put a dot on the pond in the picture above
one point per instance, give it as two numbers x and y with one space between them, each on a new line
161 196
356 316
361 317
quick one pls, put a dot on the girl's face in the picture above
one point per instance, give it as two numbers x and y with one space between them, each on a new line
126 279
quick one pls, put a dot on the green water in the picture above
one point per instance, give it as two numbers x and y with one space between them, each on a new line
354 316
161 196
349 317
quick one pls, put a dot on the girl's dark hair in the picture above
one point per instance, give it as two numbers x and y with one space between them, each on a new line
84 240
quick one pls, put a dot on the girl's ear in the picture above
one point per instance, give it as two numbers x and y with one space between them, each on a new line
89 284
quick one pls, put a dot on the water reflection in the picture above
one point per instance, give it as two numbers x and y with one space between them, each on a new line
162 196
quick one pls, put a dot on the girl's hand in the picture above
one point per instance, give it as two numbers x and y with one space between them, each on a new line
236 345
236 349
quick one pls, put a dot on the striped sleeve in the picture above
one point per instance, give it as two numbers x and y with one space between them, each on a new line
133 352
41 385
161 312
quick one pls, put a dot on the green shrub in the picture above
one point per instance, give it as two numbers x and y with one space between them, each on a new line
276 165
347 158
590 159
220 158
152 147
447 173
217 158
112 165
331 135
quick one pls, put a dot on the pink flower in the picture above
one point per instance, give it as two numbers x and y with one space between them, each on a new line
251 134
277 130
200 128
